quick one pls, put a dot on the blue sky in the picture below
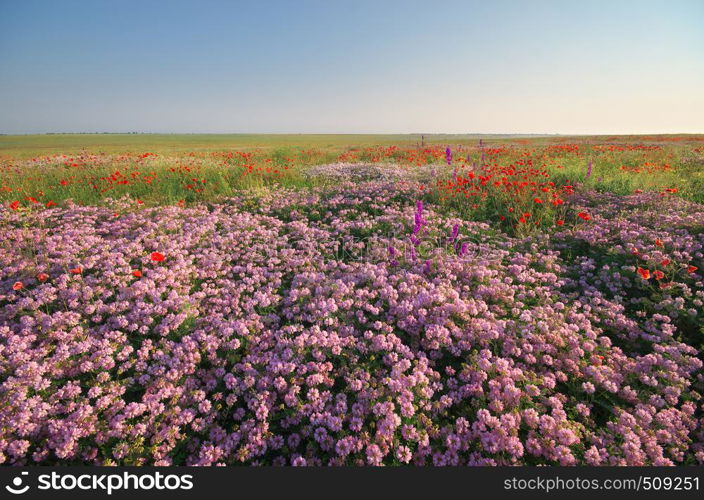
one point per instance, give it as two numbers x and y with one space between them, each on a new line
352 66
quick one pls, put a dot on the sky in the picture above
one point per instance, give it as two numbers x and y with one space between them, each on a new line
338 66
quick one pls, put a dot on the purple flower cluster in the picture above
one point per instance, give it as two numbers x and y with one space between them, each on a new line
260 340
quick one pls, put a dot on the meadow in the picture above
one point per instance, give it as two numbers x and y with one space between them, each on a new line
351 300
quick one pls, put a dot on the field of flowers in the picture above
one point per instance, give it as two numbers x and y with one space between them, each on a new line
536 302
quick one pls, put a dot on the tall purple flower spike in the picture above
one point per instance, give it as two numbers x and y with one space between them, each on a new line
589 169
418 217
448 156
455 232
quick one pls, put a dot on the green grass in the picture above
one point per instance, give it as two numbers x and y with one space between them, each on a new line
25 146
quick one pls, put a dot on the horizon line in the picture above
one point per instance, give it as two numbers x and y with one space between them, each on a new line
524 134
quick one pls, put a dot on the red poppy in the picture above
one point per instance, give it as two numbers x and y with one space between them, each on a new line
658 242
584 215
658 275
42 277
77 270
18 285
15 205
691 269
137 273
538 200
665 285
560 222
157 257
644 273
50 204
665 262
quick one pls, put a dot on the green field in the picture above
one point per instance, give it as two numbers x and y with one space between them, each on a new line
168 169
23 146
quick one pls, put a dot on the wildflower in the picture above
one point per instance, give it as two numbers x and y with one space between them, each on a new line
76 270
691 269
42 277
136 273
17 286
584 215
560 222
463 249
665 262
157 257
455 232
658 275
538 200
658 242
589 169
418 217
448 156
644 273
15 205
